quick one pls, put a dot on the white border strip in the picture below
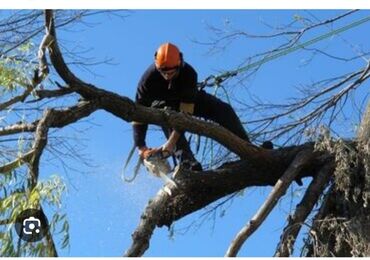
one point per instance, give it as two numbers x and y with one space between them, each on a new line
185 4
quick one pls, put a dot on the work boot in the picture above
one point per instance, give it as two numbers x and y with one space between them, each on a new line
192 165
267 145
188 161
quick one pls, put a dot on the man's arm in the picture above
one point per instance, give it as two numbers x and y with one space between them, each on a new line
170 145
142 97
139 130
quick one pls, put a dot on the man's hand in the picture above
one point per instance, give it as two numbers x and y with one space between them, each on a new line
169 147
145 152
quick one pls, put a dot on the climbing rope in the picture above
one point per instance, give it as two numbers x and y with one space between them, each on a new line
216 80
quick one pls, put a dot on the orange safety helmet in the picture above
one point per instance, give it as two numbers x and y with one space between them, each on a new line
167 56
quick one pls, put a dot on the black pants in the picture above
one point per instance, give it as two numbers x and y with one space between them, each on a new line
211 108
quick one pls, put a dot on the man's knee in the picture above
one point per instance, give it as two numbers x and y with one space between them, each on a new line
228 118
227 108
225 112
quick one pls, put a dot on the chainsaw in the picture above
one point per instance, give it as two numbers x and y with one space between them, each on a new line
158 165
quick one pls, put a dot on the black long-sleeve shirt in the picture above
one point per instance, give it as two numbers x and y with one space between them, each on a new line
153 87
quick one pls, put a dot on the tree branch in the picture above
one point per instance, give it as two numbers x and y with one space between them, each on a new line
15 99
45 93
41 137
6 168
61 118
198 189
279 190
148 221
303 209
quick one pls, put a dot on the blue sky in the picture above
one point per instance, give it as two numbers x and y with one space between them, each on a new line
102 210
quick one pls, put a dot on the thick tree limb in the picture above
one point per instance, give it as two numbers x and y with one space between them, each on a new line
198 189
279 190
41 137
18 128
61 118
127 110
45 93
57 118
148 221
303 209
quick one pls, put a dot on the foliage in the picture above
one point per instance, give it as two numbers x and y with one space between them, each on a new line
341 228
16 194
48 192
14 72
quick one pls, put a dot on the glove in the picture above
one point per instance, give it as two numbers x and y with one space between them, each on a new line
145 152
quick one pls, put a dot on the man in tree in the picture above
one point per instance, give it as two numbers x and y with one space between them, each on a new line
171 82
